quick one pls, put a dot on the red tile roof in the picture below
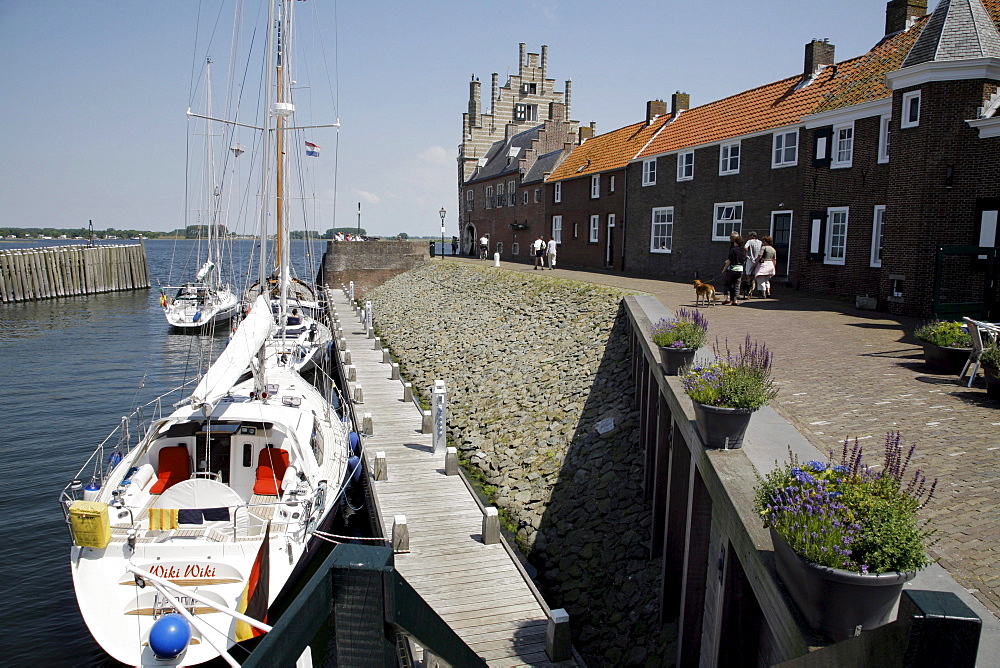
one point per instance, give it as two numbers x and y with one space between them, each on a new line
612 150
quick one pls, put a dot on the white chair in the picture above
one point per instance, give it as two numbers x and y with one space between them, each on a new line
976 331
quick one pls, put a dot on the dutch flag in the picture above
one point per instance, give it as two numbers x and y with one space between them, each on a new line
312 149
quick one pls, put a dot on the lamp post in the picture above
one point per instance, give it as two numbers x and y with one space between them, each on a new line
442 212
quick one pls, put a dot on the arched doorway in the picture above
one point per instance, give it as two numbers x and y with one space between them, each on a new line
469 241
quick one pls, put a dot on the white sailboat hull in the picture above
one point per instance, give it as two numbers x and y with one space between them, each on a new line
217 306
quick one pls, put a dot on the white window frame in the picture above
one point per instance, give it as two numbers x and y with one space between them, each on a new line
611 183
836 239
512 192
730 216
909 99
595 229
557 229
524 197
557 195
470 199
595 186
878 234
781 148
842 146
884 137
538 195
729 159
489 197
685 166
501 197
662 242
649 172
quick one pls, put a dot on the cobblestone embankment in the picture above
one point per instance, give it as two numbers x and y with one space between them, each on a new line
531 364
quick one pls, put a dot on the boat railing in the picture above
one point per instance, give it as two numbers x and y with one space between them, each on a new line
104 459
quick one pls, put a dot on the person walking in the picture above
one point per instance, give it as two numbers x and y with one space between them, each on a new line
550 252
733 269
538 247
767 266
454 245
752 246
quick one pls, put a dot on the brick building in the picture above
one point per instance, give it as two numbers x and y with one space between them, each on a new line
585 194
504 197
527 99
859 169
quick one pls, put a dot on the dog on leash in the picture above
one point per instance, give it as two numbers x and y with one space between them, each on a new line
703 291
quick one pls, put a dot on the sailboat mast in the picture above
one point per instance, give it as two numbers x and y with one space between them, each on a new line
210 165
285 110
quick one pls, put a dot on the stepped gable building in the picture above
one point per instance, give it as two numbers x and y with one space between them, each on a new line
859 169
585 194
526 100
504 198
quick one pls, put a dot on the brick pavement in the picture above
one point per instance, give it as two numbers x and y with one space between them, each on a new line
850 373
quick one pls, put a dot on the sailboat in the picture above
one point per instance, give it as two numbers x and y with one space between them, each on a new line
184 538
206 301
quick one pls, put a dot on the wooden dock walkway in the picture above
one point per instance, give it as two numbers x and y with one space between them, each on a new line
477 589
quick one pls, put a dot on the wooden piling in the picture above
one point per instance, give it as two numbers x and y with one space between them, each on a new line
61 271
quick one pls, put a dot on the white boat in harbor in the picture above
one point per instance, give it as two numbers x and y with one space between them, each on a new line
211 513
208 300
185 535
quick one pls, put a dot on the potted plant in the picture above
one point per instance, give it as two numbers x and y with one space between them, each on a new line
728 391
847 536
946 345
990 361
679 339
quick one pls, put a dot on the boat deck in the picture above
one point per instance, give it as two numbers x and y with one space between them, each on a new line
477 589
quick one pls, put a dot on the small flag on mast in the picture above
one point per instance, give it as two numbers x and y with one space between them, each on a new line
312 149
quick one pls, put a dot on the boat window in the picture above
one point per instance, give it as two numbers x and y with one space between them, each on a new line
317 443
247 455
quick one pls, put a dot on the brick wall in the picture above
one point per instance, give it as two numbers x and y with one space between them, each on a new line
369 263
576 208
694 253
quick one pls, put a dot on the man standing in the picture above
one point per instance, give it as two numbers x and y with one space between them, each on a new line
752 246
538 246
550 251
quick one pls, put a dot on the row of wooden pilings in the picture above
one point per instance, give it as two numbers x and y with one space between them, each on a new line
62 271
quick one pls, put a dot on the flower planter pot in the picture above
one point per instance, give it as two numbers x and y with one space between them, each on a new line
945 360
835 602
722 427
675 359
992 381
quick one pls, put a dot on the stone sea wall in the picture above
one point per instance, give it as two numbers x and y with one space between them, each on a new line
532 364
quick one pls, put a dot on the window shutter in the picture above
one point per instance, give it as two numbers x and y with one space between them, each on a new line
822 140
817 235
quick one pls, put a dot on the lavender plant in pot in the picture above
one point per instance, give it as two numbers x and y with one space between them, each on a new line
728 391
847 536
679 339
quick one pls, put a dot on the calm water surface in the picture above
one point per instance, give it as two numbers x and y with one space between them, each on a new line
70 368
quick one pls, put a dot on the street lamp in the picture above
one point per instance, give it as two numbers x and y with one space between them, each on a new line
442 212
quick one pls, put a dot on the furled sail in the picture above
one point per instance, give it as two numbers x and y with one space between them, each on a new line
235 359
205 270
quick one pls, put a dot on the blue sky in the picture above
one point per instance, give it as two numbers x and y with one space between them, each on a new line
96 91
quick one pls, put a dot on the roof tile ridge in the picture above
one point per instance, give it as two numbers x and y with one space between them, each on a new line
667 118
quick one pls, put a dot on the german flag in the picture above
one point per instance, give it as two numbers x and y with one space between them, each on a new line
253 603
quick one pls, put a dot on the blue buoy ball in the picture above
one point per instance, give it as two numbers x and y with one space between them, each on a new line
169 636
355 441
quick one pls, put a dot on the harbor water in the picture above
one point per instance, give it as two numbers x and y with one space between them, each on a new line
71 368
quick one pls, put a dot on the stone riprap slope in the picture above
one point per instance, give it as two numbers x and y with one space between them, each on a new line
532 364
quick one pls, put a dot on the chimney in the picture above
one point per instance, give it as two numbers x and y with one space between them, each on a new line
679 102
557 111
567 97
586 133
545 63
818 53
900 13
655 109
509 130
493 94
475 102
521 60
